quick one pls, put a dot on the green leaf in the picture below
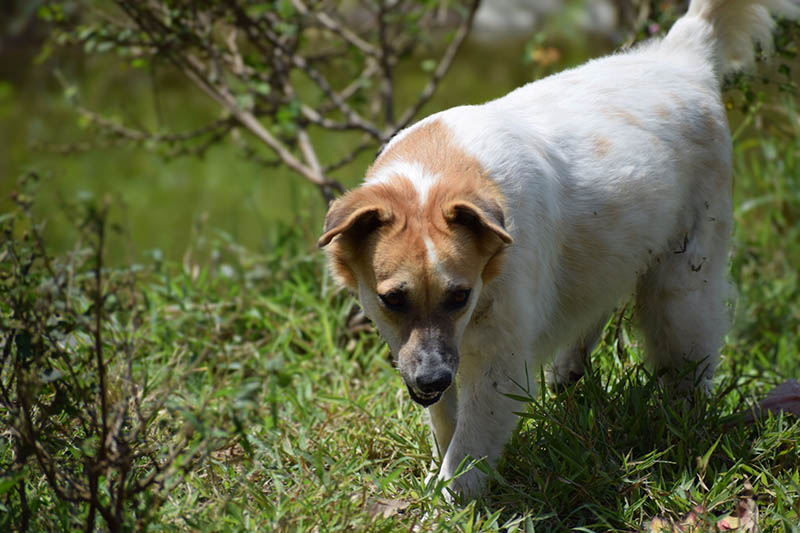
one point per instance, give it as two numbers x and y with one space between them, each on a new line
245 101
7 483
262 88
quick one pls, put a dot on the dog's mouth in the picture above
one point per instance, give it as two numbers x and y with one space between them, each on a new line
423 398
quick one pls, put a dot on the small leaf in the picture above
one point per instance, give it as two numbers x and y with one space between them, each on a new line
8 482
262 88
245 101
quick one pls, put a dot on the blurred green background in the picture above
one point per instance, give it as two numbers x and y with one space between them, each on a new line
160 201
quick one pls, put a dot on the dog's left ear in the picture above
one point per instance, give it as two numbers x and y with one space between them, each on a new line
480 216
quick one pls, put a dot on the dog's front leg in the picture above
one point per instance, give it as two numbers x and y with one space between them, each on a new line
442 417
486 420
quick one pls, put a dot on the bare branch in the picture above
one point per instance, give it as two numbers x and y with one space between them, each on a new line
386 61
205 42
353 118
346 93
349 158
336 27
441 69
141 135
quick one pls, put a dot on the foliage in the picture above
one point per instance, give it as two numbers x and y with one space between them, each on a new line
84 394
284 71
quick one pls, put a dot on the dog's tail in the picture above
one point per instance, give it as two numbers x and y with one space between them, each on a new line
725 31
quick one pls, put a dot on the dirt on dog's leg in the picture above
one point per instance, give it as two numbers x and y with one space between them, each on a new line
682 307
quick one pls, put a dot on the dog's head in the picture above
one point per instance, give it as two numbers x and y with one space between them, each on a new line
417 261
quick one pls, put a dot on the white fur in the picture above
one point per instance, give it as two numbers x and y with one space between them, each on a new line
617 178
420 178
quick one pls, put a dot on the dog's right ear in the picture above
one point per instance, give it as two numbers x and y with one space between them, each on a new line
349 218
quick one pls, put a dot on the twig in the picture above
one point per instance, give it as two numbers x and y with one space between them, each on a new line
349 158
441 69
354 120
387 88
336 27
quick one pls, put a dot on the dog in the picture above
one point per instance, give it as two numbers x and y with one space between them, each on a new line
487 239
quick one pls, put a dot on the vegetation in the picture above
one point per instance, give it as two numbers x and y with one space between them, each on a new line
246 362
237 389
284 72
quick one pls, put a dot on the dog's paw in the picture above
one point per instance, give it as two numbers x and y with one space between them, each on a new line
466 486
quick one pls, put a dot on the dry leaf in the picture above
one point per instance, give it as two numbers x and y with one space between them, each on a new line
660 525
744 519
784 397
385 507
693 521
545 55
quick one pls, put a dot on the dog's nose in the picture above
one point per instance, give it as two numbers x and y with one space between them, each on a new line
436 381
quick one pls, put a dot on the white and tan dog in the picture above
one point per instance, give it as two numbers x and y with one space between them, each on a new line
488 238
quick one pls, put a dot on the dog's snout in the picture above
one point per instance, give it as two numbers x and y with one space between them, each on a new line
436 381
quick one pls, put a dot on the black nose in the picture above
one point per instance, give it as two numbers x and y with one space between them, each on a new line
436 381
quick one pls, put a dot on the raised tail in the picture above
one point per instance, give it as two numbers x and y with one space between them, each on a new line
726 31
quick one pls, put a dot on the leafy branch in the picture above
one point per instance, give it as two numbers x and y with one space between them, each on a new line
287 71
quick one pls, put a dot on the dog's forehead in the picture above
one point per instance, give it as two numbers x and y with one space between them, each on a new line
417 260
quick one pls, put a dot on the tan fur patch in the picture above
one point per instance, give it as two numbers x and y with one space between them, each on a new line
601 146
626 116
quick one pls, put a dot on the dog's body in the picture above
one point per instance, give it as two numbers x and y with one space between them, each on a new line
488 238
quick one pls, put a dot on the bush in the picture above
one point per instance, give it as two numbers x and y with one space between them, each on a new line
93 419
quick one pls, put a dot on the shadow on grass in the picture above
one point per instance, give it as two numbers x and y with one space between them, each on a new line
611 453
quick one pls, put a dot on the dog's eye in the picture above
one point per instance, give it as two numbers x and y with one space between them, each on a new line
394 300
457 299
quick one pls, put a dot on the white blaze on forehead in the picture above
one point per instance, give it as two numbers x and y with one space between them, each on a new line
433 259
413 171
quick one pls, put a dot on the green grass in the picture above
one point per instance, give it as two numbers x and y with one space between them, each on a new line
316 425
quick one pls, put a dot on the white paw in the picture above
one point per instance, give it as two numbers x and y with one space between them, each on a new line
467 485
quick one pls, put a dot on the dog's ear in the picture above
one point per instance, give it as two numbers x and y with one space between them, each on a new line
485 220
348 216
480 216
350 220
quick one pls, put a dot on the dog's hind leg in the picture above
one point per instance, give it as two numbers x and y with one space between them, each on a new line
568 364
682 304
